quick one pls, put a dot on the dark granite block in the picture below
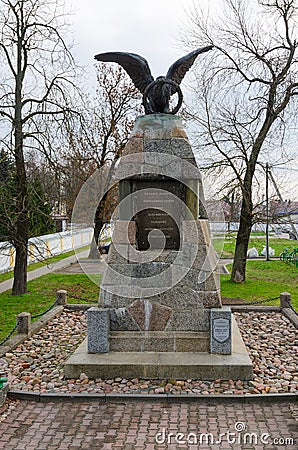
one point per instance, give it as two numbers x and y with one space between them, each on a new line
121 320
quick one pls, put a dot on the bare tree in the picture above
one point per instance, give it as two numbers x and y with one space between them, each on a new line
36 76
99 137
246 95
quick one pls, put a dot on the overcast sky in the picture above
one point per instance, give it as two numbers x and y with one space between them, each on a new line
149 28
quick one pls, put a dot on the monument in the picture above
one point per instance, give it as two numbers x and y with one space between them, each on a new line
160 313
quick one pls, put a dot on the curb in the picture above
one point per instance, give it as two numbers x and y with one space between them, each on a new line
291 315
253 308
168 398
3 393
78 306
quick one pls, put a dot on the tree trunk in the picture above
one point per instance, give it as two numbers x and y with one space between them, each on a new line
22 229
22 225
98 224
20 270
239 265
243 235
99 220
22 203
245 225
94 253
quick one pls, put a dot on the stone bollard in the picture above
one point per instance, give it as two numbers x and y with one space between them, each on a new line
24 323
285 300
61 297
98 328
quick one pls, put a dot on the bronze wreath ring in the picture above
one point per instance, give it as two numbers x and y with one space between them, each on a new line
146 103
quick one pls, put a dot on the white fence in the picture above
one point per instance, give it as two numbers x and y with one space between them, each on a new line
257 227
43 247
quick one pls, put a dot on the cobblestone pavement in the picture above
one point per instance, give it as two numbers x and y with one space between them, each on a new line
147 425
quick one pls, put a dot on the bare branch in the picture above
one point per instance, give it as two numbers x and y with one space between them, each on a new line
251 83
8 59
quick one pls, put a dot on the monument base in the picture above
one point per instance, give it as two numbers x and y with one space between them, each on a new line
163 365
159 341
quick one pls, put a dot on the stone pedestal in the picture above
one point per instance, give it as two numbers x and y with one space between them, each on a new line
162 269
161 279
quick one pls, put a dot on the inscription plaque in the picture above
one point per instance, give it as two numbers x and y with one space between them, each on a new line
159 209
221 329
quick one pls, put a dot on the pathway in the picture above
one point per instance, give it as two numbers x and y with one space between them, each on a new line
49 268
148 426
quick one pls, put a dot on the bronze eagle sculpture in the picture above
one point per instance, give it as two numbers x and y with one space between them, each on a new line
156 93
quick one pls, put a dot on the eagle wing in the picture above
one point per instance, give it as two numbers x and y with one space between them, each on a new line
135 65
178 70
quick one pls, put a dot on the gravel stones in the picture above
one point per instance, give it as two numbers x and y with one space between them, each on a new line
271 340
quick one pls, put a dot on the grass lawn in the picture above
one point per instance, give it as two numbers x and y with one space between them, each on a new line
42 294
278 244
265 279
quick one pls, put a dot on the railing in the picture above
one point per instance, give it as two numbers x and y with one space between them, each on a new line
43 247
290 256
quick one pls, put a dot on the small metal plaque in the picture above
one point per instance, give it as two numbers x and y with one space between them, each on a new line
221 329
158 206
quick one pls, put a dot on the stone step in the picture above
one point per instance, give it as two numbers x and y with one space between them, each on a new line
160 365
163 365
159 341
